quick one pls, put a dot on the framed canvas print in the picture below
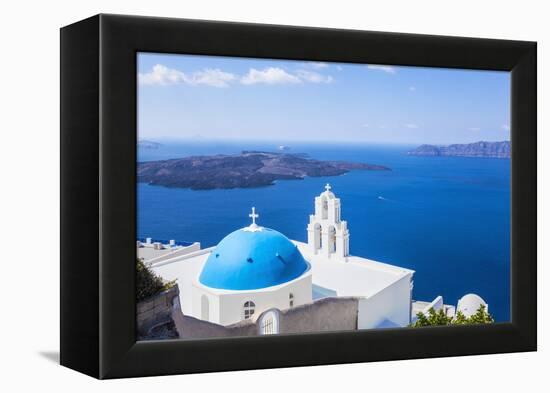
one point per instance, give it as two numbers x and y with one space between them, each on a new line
298 196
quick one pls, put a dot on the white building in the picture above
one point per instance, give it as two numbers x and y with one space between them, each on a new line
470 303
255 269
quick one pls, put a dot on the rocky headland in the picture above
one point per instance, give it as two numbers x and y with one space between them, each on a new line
246 170
477 149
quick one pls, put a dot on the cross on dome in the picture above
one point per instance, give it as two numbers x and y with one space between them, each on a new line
253 227
328 187
253 215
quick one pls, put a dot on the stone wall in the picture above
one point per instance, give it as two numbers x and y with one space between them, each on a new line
190 327
154 316
324 315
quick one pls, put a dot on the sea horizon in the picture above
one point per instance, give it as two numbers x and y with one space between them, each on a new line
340 142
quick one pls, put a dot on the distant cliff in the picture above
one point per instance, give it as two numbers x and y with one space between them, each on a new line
144 144
477 149
246 170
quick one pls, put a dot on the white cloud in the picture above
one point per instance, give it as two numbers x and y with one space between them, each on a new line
161 75
365 125
313 77
339 68
412 88
411 125
269 76
384 68
474 129
317 65
505 127
164 76
212 77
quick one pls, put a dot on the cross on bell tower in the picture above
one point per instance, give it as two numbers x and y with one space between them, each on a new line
328 187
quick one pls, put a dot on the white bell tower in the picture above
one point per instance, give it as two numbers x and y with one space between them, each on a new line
327 234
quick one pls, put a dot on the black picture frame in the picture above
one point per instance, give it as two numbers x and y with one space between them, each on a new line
98 195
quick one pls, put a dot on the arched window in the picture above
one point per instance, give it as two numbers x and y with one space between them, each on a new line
291 300
324 214
248 309
331 239
317 236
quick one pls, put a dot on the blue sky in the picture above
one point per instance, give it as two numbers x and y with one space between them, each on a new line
206 97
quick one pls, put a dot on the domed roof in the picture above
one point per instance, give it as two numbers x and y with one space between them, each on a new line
469 304
252 258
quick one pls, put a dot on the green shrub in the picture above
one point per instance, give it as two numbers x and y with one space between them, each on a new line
481 316
434 318
438 318
148 283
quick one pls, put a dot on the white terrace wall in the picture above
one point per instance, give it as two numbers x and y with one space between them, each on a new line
176 253
391 307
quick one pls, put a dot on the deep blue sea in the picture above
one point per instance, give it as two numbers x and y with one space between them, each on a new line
447 218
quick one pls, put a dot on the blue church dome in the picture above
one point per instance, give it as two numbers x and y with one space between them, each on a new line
252 258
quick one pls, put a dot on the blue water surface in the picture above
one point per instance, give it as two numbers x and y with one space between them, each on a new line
447 218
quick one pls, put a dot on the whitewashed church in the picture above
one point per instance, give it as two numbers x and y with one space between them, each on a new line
257 272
